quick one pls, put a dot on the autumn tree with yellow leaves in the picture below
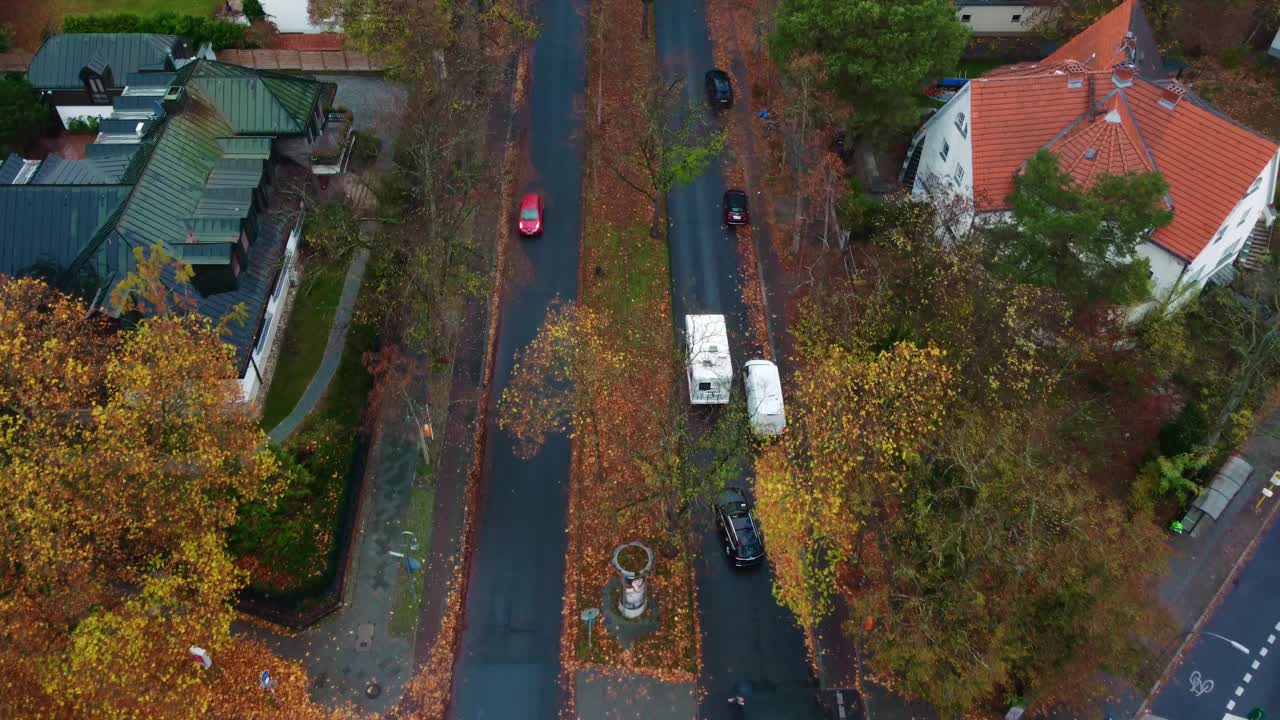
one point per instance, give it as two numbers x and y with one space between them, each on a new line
124 453
928 480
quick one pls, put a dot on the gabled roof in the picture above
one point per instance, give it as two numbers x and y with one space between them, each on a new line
48 224
58 62
57 171
1102 45
1208 160
252 101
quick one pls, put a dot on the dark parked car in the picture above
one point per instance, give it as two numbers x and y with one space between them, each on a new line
735 208
719 89
742 542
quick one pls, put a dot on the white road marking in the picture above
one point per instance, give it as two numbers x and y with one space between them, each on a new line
1229 716
1278 626
1239 691
1255 664
1231 705
1262 652
1271 639
1248 677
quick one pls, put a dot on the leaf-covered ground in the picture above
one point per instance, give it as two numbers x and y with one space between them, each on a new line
626 277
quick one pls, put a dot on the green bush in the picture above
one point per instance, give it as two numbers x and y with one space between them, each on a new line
220 33
253 10
1168 477
1185 432
295 536
1233 57
6 38
87 125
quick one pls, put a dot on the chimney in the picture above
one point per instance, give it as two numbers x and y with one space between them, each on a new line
1171 96
1122 74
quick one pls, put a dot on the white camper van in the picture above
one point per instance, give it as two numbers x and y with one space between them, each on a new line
764 397
710 369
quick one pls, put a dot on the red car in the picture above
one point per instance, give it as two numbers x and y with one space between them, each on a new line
735 208
530 215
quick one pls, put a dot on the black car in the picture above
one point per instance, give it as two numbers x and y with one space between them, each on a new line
735 208
742 542
719 89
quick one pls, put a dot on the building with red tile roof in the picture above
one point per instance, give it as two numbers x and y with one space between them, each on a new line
1104 105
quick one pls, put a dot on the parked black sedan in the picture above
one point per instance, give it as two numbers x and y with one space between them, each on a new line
742 542
719 89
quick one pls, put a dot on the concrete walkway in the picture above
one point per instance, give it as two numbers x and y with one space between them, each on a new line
332 352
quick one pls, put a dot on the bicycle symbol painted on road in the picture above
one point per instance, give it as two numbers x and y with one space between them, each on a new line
1200 686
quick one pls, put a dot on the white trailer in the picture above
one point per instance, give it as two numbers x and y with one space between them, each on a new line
764 397
710 368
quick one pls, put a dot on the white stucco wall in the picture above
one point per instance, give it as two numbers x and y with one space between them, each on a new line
999 19
936 176
1229 238
291 16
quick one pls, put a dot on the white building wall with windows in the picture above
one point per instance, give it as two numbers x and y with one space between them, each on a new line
273 320
1005 19
945 142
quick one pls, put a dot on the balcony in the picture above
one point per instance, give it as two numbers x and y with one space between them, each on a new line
332 150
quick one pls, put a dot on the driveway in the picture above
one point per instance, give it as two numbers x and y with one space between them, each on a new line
509 660
376 105
745 634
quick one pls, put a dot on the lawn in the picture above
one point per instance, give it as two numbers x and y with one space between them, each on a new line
203 8
978 68
303 344
301 530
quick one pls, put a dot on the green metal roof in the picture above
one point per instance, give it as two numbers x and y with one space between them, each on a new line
50 223
246 148
58 62
224 202
253 101
236 174
151 79
205 252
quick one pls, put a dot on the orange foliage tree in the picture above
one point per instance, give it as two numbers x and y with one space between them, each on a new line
124 455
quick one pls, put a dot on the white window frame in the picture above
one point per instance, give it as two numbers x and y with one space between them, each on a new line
962 125
946 150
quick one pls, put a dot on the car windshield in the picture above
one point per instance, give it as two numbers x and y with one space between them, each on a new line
529 214
737 202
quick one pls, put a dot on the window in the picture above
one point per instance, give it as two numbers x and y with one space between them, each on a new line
704 386
1091 154
962 125
966 18
1221 232
1016 18
946 149
1256 184
958 175
1243 216
262 334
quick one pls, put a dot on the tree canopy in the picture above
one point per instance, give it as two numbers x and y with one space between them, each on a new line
24 116
877 55
929 477
124 455
1081 241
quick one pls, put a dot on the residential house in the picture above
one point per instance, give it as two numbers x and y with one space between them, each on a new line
82 74
1104 104
994 18
192 160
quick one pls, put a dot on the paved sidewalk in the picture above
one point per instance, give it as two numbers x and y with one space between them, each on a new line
332 352
630 696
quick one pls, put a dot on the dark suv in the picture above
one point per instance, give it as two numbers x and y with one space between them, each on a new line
719 89
742 542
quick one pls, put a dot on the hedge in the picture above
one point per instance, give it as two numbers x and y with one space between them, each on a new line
198 30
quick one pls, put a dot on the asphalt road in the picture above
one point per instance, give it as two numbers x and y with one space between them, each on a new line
1217 681
509 660
746 636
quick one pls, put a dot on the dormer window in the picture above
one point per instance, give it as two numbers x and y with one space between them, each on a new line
962 124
